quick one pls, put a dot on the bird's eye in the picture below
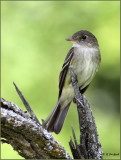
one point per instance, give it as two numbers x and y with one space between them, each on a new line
84 37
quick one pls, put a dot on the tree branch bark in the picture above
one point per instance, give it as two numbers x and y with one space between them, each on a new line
26 135
28 138
89 147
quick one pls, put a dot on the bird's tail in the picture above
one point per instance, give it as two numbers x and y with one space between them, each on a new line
55 120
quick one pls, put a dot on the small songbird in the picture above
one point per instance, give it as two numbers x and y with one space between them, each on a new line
85 58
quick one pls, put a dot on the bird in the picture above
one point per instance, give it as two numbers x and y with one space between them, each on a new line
85 58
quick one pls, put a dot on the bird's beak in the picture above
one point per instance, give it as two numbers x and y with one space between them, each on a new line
70 39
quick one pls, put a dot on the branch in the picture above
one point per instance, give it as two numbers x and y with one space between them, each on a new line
26 136
31 141
89 147
26 104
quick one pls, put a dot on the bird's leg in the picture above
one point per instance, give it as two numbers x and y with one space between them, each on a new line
81 101
75 100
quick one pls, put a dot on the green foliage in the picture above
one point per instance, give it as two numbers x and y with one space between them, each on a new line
33 50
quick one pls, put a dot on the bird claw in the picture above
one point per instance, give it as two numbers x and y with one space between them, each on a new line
78 101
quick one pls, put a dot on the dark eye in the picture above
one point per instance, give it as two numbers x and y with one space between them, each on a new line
84 37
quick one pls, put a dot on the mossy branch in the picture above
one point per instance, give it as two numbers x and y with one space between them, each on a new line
26 135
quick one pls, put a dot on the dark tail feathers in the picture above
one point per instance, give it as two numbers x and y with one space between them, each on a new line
57 118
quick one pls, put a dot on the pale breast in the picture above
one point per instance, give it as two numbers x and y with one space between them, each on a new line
85 63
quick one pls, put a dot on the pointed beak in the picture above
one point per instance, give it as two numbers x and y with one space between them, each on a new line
70 39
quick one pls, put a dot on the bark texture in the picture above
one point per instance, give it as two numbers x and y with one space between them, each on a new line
27 137
89 147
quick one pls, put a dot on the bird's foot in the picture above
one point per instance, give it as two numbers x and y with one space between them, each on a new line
75 100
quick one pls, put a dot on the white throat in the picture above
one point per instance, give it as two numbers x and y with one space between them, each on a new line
84 48
75 44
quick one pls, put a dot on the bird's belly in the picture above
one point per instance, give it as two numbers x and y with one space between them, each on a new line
67 95
85 71
86 75
85 68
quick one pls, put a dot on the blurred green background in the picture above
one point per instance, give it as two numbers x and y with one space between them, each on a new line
33 51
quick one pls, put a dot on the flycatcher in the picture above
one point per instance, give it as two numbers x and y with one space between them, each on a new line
85 58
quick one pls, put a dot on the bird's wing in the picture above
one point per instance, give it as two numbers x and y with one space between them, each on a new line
65 69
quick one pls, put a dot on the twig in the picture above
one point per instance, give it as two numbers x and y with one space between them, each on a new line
26 104
77 146
28 138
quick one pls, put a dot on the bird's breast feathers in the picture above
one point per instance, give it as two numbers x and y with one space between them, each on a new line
85 65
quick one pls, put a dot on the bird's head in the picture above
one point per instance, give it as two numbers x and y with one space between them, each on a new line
83 38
